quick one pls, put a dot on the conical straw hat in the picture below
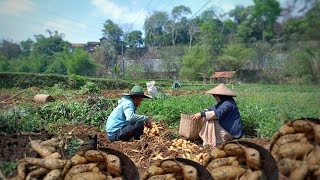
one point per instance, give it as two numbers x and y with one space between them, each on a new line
221 89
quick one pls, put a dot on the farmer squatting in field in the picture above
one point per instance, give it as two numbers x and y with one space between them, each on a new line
222 122
123 122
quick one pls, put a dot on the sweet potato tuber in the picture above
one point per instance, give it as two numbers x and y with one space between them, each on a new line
207 158
53 175
37 172
77 159
286 129
252 157
233 149
299 173
145 176
22 170
82 168
66 168
119 178
189 172
54 142
171 166
154 170
113 164
89 176
218 153
43 151
295 150
302 126
285 165
316 131
93 156
46 163
254 175
299 137
221 162
162 177
54 155
227 172
314 156
317 172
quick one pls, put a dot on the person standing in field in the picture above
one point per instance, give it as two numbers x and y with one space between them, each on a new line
123 122
221 122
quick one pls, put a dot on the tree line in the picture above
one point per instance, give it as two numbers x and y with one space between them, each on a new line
262 42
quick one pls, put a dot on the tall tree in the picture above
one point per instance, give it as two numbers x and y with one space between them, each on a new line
177 22
26 46
49 45
80 63
193 30
114 35
105 56
156 29
134 39
267 12
240 14
9 49
234 56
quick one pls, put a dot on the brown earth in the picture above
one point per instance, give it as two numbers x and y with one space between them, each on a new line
143 152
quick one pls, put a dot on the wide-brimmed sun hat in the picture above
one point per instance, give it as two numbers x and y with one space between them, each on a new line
221 89
136 91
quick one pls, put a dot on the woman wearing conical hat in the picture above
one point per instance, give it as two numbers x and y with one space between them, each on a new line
222 121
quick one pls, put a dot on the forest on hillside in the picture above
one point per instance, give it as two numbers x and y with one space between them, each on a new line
263 43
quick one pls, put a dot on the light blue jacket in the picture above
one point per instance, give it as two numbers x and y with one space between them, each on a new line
122 115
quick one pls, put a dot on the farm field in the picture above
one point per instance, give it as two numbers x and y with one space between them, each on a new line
264 108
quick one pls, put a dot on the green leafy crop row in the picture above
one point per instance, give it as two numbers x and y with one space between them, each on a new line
263 108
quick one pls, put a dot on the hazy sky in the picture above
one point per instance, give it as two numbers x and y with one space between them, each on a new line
82 20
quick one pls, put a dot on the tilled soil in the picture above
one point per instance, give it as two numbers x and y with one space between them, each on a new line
142 152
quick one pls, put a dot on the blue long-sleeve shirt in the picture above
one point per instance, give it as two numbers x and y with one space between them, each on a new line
123 115
228 116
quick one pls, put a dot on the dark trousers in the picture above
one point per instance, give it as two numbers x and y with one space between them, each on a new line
134 130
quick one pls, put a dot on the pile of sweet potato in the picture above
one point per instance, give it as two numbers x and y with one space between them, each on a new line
295 147
170 169
86 164
234 161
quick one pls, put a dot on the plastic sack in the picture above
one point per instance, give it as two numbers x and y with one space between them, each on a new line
152 89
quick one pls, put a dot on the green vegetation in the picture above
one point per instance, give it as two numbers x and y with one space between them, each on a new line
73 147
263 108
7 168
52 116
25 80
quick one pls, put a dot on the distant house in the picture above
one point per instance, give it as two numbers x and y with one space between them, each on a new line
223 76
89 46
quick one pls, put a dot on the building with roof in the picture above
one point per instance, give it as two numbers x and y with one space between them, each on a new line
223 76
89 46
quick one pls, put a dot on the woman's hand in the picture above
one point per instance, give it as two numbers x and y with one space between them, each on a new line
196 116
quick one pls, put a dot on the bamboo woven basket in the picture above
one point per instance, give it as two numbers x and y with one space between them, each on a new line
188 127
